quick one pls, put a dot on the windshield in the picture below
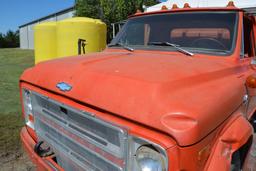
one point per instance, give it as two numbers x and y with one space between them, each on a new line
199 32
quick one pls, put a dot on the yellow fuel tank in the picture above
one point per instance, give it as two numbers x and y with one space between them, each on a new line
45 41
80 34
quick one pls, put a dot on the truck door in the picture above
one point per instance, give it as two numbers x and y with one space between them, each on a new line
248 53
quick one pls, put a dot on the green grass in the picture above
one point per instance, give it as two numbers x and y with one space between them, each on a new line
12 63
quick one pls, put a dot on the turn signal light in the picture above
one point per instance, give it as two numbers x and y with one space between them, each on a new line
175 6
186 5
164 7
138 11
31 118
251 81
231 4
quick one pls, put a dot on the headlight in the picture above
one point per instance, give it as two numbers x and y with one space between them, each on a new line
146 156
149 159
28 110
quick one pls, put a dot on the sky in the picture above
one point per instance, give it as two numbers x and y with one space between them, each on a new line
14 13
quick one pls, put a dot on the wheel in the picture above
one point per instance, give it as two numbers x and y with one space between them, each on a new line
208 43
236 162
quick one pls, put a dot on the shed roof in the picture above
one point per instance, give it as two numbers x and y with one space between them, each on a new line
49 16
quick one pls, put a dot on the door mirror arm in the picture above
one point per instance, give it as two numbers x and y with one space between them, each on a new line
253 61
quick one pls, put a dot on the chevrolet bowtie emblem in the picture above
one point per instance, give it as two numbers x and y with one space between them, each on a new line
64 86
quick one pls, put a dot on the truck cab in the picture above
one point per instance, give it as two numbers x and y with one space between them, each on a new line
175 90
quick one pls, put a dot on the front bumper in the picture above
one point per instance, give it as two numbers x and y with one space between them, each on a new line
46 163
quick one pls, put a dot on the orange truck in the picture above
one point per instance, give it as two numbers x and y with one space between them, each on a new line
175 90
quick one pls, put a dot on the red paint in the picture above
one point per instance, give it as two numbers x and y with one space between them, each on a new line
191 106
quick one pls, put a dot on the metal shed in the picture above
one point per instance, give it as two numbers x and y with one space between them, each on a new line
27 31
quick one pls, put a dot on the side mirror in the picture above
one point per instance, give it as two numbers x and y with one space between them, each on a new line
253 61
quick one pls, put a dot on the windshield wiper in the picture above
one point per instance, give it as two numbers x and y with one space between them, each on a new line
172 45
122 45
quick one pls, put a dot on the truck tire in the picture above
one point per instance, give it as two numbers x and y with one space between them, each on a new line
236 162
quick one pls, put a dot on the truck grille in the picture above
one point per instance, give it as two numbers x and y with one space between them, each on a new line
79 140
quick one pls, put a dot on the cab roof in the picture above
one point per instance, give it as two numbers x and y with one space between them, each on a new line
165 11
244 4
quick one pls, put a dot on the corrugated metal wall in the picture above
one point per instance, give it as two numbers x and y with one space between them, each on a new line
251 10
64 16
27 31
31 36
24 38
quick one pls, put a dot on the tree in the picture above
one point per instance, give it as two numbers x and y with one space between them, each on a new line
9 40
87 8
2 41
12 39
110 11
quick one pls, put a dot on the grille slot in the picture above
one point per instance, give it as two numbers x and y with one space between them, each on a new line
88 142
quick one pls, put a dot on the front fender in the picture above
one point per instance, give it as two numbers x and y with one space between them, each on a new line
234 135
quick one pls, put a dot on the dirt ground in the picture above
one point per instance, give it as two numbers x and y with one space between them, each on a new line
12 63
16 162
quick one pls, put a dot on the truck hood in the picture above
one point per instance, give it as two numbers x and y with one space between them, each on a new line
172 93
